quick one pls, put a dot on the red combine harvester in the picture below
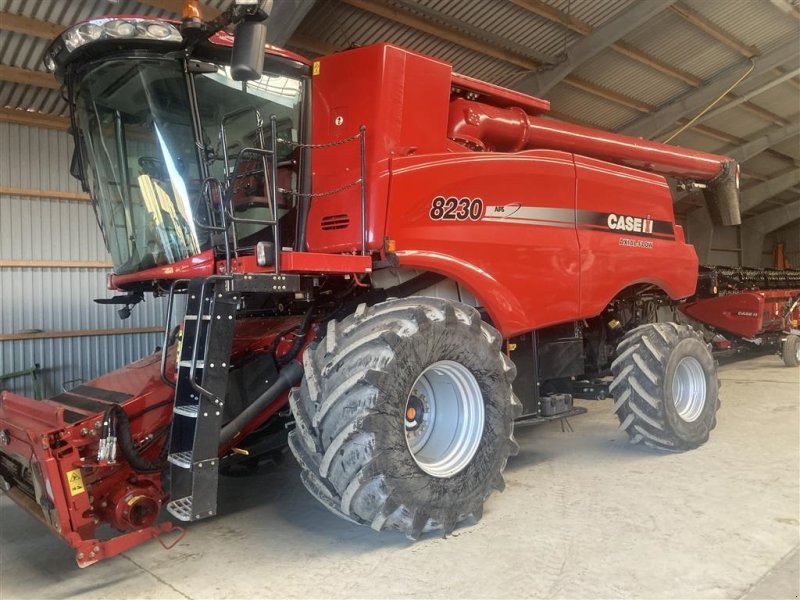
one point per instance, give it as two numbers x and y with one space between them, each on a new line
745 309
362 252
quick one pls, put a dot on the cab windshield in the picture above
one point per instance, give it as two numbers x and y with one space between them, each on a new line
145 164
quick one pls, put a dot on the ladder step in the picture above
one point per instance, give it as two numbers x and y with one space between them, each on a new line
194 318
187 410
181 459
181 508
188 363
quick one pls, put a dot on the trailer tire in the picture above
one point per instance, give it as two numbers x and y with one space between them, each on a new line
354 436
791 350
665 388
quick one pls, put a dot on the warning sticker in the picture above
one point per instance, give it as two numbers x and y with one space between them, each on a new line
315 68
75 482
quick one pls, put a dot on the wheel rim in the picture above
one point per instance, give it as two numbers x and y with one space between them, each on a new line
444 416
689 388
797 352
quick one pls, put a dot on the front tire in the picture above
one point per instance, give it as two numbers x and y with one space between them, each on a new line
404 419
665 387
791 350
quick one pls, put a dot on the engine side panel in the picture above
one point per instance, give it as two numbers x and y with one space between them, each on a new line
478 219
627 235
535 254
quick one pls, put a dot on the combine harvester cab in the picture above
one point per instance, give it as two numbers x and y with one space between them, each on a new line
368 249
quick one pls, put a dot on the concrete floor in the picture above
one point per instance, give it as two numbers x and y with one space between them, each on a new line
584 515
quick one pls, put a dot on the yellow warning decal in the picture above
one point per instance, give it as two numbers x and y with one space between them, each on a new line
315 68
75 482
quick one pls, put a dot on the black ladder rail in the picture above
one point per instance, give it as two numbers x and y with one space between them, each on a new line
199 397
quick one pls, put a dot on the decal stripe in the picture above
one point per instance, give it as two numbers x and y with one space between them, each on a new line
580 219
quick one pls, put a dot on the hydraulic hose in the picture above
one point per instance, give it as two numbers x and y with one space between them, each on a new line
299 339
289 376
128 448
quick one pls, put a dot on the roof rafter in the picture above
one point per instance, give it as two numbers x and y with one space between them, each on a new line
477 32
790 8
764 139
590 46
28 77
176 7
695 18
28 26
465 41
751 94
774 219
762 192
696 100
34 119
554 15
404 18
285 18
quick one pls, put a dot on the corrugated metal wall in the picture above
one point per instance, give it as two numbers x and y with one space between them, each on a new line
725 247
789 235
59 299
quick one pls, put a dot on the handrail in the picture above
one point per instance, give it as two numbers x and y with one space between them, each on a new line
167 321
207 182
224 138
193 365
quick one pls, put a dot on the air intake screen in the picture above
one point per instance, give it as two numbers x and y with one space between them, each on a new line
335 222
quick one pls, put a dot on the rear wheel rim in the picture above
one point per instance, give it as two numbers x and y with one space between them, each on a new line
689 388
797 351
444 418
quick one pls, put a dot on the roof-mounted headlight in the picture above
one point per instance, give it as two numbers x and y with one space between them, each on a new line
112 29
160 31
121 29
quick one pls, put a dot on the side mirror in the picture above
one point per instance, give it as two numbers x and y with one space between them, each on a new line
247 58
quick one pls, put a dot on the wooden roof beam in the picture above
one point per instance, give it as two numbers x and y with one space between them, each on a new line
33 119
175 7
552 14
790 8
695 18
28 26
693 101
27 77
589 46
404 18
481 33
573 24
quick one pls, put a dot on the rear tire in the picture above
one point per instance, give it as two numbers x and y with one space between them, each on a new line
353 437
791 350
665 387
